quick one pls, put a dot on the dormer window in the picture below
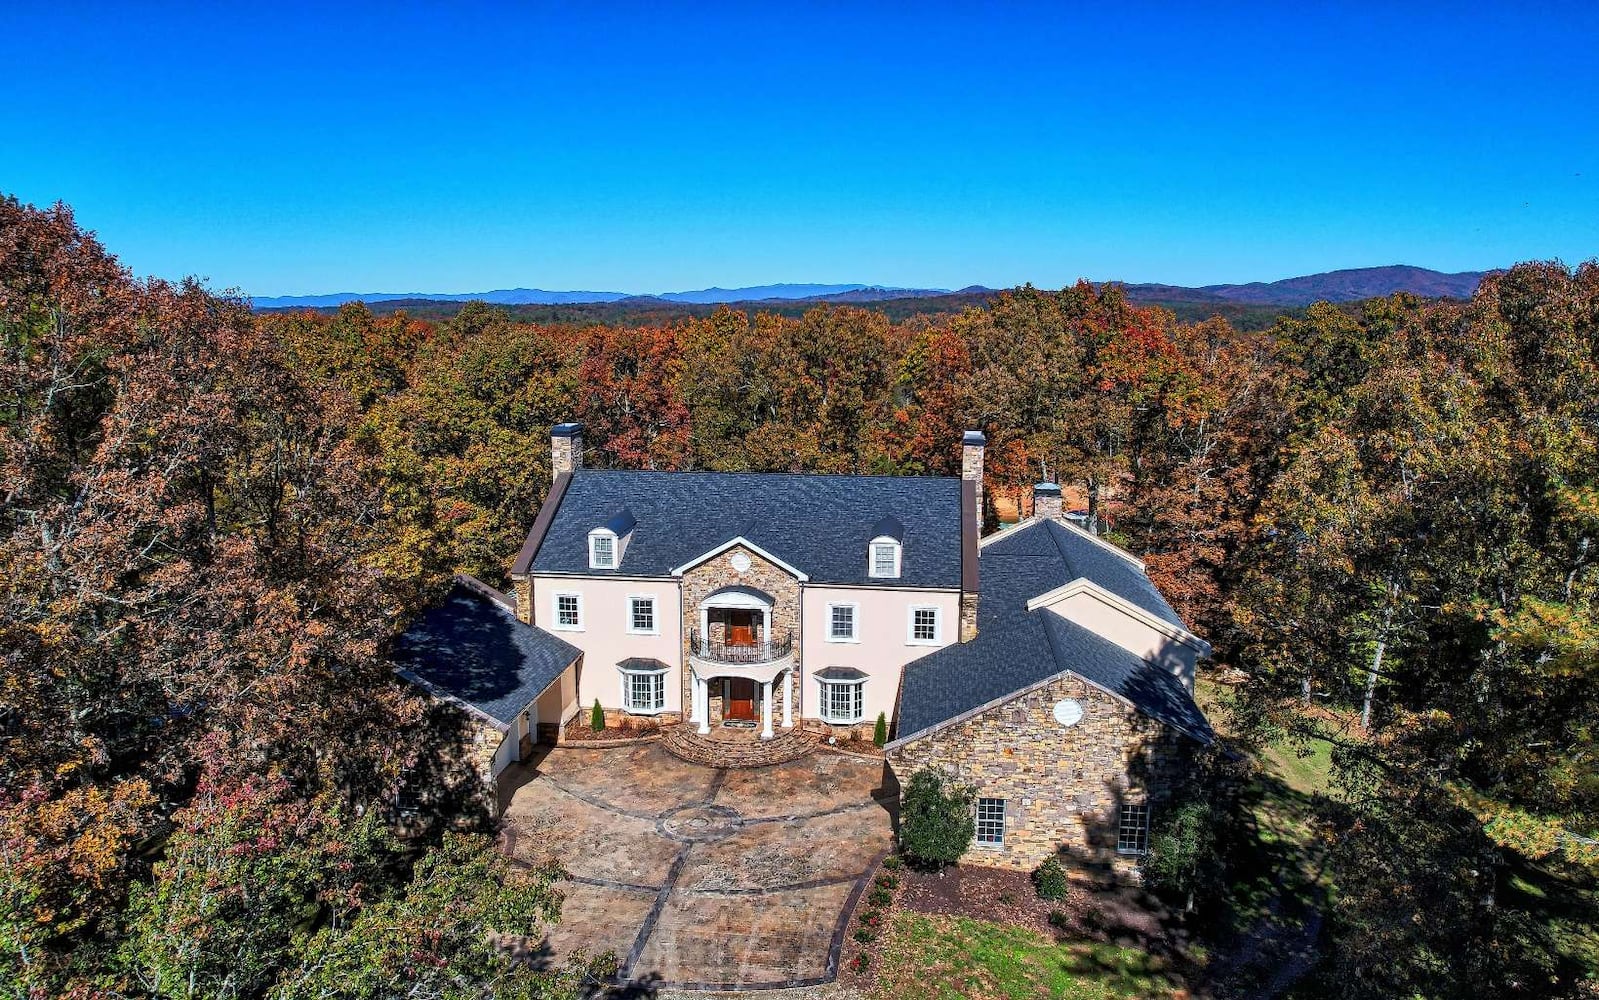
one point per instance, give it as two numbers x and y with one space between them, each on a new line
885 559
608 542
602 550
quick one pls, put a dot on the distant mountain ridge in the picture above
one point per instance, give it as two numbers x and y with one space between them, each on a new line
1348 285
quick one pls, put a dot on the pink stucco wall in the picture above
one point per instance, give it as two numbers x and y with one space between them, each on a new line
605 639
883 622
1089 611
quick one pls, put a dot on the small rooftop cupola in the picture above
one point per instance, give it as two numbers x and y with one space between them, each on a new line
1046 501
609 541
886 550
566 449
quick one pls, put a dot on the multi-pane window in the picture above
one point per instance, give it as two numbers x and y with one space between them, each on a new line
841 622
1132 833
568 611
644 690
602 551
885 559
843 701
924 625
641 614
991 822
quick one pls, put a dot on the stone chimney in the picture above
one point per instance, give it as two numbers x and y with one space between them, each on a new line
1046 501
566 449
973 443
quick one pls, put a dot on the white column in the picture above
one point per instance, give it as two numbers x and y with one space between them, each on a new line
788 682
703 710
766 710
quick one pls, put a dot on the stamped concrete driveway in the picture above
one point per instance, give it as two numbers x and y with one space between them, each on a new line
700 878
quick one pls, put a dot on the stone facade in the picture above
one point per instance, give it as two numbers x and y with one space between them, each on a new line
1063 786
770 579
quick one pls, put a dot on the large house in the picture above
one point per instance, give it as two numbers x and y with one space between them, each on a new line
1039 665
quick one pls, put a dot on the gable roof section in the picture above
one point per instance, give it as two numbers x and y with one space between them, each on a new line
818 524
471 648
1018 648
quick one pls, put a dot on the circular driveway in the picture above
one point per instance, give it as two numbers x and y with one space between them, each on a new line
701 878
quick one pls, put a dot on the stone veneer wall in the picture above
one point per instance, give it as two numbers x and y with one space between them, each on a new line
1063 787
763 575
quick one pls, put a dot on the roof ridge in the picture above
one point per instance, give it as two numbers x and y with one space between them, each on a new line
1107 546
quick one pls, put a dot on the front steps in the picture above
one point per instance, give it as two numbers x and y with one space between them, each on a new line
736 748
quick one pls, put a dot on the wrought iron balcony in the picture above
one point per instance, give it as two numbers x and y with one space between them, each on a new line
775 648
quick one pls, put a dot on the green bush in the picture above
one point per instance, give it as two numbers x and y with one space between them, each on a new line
1049 880
880 731
1183 860
879 897
893 863
936 825
597 718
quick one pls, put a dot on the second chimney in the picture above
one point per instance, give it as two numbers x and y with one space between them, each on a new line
566 449
1046 501
973 444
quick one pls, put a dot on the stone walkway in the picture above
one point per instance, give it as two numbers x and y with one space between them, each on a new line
701 878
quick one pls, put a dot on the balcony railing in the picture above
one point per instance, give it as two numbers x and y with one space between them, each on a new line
777 647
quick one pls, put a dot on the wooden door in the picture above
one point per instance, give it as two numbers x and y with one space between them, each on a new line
741 628
740 699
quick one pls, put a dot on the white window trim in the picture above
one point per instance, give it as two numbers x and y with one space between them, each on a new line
655 614
871 557
938 625
855 621
616 548
555 611
824 703
1004 813
627 675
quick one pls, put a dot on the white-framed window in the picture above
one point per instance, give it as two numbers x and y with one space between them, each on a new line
602 550
641 618
991 822
926 626
843 701
643 691
843 622
566 611
1132 829
883 559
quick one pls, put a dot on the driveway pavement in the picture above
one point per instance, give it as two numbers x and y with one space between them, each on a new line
700 878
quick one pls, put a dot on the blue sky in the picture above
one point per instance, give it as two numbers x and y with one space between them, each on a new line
291 151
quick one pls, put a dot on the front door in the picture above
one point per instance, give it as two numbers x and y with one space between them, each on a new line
741 628
740 699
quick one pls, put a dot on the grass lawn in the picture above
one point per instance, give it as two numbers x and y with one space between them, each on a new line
934 958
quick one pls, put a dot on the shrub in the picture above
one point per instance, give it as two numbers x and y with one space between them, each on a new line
871 918
597 717
893 863
880 731
936 825
1183 861
1049 880
860 962
1059 920
865 935
888 881
879 897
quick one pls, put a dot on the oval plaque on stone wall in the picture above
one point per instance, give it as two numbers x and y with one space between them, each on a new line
1068 712
741 562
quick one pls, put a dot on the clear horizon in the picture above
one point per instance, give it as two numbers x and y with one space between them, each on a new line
387 151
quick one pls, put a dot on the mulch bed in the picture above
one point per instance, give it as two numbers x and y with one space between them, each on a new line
579 731
1094 909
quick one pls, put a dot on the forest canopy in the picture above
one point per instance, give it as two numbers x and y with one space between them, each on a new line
1382 516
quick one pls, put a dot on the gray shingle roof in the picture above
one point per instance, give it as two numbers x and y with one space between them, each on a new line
1016 648
474 648
819 524
1084 557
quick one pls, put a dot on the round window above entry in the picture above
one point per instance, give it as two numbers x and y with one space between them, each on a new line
1068 712
741 562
